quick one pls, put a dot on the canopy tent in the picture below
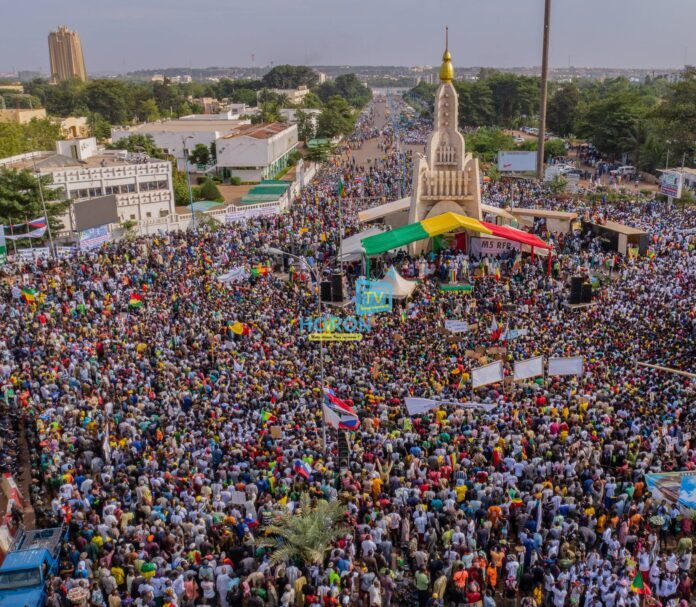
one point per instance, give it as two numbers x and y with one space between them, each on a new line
516 235
401 288
351 247
433 226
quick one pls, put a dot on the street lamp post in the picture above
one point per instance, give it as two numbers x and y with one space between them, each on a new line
188 180
316 276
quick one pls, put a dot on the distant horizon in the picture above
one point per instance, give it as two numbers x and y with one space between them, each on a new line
131 35
266 68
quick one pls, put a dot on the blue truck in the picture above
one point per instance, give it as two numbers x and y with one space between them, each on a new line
32 559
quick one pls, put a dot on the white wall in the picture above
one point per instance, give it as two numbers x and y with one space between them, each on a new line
246 151
85 148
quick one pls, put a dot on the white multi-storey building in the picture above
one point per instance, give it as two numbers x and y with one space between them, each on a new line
142 185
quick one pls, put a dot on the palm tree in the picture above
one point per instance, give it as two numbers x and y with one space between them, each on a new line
635 137
306 534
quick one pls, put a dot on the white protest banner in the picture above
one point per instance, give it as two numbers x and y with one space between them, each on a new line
524 369
568 365
491 247
509 334
416 406
239 497
457 326
488 374
236 274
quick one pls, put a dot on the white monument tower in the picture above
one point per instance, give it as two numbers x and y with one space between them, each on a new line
446 178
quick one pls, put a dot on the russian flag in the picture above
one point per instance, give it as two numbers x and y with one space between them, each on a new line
339 414
38 223
302 468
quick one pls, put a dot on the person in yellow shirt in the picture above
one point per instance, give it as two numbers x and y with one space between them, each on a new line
460 491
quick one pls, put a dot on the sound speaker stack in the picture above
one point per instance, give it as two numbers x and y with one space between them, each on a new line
575 290
325 290
586 293
336 286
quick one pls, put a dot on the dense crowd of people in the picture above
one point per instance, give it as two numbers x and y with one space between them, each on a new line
171 418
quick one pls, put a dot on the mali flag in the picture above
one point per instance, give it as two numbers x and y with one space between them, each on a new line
268 417
135 301
29 294
260 270
340 189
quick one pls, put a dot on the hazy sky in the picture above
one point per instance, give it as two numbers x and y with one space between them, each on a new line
124 35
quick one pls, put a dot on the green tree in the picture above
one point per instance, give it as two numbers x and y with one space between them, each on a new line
677 116
139 143
306 535
562 108
336 118
200 154
311 101
99 126
347 86
270 112
607 122
306 126
246 96
180 187
209 191
319 153
37 135
20 197
486 142
290 77
148 110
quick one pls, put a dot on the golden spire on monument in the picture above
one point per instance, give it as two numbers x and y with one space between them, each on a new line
446 69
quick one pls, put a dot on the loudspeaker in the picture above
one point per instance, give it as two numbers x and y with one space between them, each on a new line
325 290
575 290
286 263
586 294
336 286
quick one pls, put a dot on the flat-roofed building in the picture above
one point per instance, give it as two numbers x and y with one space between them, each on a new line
257 151
173 136
142 185
22 116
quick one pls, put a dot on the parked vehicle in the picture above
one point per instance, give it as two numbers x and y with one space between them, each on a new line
35 555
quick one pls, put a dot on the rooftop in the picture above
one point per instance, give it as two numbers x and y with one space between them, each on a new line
185 126
259 131
48 162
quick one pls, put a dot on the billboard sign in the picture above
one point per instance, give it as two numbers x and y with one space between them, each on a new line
671 184
517 162
372 296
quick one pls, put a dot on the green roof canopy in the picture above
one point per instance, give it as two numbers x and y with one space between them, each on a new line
381 243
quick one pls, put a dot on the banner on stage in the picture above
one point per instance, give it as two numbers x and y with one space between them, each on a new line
457 326
488 374
570 365
417 406
491 247
676 488
525 369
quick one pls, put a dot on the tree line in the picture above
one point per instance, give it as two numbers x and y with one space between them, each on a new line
108 102
641 122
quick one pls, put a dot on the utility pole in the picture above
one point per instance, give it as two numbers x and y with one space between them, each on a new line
544 80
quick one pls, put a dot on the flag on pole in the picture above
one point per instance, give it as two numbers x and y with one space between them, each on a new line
135 301
302 468
339 414
340 188
259 270
38 223
517 264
